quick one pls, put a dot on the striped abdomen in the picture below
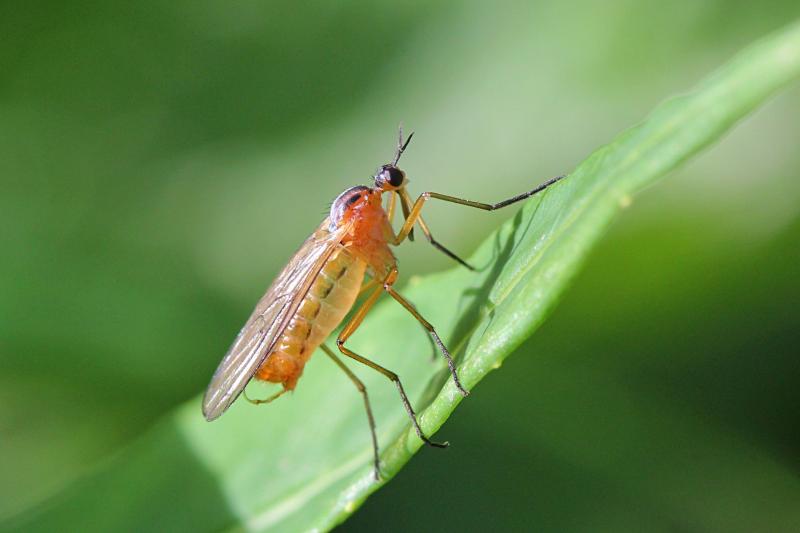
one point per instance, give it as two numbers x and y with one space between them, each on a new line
328 300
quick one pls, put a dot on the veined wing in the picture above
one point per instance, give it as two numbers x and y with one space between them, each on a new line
269 320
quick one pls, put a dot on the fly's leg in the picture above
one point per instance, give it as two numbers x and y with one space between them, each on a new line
390 207
371 284
414 213
363 390
406 206
405 201
403 397
387 286
265 400
348 330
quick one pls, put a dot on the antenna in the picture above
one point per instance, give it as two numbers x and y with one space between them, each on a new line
401 146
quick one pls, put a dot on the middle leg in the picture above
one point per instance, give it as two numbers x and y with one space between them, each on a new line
348 331
432 331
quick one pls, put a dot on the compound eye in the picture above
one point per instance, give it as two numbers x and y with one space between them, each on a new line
396 177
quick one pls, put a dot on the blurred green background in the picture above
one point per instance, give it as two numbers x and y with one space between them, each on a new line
160 161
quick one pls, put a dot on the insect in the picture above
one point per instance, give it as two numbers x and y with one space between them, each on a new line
314 292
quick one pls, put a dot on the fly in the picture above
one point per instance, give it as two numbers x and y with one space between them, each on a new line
319 286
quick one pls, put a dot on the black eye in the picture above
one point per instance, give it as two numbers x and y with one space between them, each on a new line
396 176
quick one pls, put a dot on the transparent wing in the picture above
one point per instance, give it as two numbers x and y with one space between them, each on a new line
269 320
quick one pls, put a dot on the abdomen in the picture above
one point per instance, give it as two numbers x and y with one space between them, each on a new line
328 300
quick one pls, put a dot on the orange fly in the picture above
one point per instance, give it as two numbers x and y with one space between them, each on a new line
320 285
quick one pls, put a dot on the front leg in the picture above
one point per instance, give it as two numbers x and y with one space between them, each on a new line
416 209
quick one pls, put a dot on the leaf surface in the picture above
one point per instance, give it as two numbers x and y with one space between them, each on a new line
305 462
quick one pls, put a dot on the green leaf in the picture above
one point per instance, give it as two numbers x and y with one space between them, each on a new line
305 461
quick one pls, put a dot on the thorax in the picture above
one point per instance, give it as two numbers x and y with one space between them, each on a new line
369 237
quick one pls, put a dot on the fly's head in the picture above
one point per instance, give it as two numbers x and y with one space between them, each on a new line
361 206
390 178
